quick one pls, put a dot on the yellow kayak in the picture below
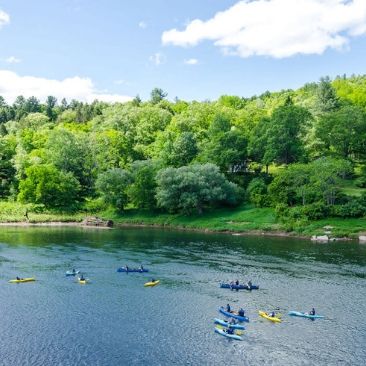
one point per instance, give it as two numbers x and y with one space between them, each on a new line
82 282
30 279
271 318
150 284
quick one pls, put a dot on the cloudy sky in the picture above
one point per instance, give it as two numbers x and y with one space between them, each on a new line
194 49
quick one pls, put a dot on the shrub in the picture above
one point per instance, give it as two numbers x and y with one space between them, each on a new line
193 188
112 186
257 192
46 185
353 208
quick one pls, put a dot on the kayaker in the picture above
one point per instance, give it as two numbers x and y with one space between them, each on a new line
228 308
73 270
272 314
18 279
126 267
237 282
82 278
241 312
153 280
250 284
141 267
230 331
312 312
232 321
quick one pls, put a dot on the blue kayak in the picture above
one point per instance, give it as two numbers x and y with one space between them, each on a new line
72 273
233 315
238 287
232 336
305 315
139 270
224 323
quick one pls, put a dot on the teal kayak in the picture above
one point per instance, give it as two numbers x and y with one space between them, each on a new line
226 324
305 315
224 333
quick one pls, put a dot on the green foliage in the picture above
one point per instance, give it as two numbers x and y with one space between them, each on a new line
302 154
143 189
258 193
353 208
112 186
226 146
344 132
309 183
284 144
232 101
351 90
45 184
194 188
157 95
327 100
72 153
7 170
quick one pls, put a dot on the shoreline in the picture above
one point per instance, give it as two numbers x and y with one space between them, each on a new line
50 224
118 225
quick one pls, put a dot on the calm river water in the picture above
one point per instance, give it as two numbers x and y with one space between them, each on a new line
114 320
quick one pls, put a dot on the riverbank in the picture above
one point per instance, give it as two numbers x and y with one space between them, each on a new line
244 220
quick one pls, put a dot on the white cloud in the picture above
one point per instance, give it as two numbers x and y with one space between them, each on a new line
277 28
83 89
142 24
4 18
13 60
157 58
191 61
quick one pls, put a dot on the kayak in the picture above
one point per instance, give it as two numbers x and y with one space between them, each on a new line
271 318
83 282
238 287
30 279
224 323
233 315
150 284
139 270
305 315
71 273
223 333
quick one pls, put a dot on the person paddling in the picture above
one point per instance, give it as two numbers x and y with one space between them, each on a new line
312 312
228 308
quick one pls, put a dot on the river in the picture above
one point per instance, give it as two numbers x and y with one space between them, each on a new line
114 320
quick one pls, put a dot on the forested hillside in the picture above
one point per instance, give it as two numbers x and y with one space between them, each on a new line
301 152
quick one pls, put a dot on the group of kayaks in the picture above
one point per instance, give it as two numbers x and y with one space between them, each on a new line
233 329
82 280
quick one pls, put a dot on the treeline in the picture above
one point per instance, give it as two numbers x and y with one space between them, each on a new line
293 150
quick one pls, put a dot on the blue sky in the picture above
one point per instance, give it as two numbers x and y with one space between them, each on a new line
114 49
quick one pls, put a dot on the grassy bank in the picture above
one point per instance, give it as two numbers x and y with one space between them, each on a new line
241 219
15 212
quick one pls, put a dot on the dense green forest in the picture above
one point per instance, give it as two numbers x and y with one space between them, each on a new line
301 152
